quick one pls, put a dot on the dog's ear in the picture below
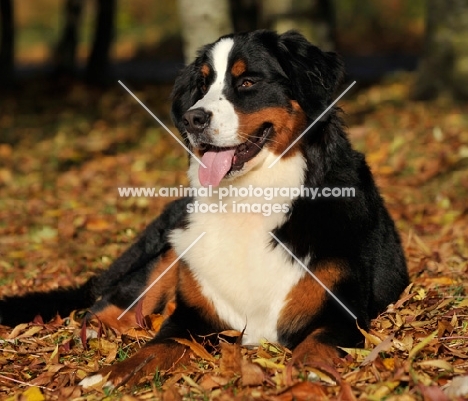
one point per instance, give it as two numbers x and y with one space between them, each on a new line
183 95
314 75
186 90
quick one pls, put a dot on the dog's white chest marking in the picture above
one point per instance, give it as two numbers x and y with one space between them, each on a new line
238 269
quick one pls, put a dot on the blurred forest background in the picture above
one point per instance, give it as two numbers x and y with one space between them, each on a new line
70 136
152 30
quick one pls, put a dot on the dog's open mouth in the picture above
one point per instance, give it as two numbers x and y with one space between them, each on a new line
221 161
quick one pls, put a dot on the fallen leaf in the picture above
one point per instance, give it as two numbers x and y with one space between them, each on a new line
303 391
196 348
385 345
268 363
252 374
230 362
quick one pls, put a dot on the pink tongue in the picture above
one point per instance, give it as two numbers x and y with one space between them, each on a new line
217 165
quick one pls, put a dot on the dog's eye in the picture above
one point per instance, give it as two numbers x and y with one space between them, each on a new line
246 83
203 88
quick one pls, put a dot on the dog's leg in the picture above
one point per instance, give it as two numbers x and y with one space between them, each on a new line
312 323
194 317
151 358
159 289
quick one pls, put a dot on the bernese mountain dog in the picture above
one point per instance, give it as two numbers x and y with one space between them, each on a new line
305 275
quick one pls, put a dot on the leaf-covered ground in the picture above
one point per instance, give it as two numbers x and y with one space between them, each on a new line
65 151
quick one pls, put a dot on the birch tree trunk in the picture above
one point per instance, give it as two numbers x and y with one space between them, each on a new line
203 22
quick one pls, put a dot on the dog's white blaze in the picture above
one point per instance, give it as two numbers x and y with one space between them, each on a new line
245 278
224 120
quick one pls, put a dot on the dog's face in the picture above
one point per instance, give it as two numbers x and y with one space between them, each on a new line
248 96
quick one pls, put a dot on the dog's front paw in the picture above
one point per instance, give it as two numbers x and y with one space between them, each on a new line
96 380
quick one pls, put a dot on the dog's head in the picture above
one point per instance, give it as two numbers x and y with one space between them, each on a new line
248 96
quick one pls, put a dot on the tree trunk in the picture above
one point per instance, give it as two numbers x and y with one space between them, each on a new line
203 22
98 68
443 69
315 19
65 54
7 41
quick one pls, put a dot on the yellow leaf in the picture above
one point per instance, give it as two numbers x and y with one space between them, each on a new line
81 374
356 353
33 394
421 345
463 303
454 321
103 345
17 330
389 363
439 281
192 383
322 376
385 388
54 353
370 337
421 294
31 331
268 363
437 363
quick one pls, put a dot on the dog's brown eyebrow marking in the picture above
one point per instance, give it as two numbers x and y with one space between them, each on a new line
238 68
205 70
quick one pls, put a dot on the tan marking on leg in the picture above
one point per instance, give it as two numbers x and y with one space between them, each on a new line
109 316
164 290
308 296
158 297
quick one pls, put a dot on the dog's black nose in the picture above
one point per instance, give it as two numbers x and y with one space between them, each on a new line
196 120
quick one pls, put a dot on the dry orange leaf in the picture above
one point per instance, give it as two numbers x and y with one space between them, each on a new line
230 362
196 348
252 374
